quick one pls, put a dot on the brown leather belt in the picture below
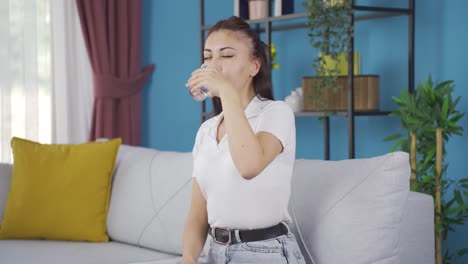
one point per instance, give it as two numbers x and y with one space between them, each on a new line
227 236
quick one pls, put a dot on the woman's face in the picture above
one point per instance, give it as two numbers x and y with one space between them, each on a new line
233 52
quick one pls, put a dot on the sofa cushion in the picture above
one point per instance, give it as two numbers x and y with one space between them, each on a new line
59 191
416 236
350 209
64 252
150 198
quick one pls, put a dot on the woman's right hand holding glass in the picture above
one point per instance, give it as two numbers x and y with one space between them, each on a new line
204 82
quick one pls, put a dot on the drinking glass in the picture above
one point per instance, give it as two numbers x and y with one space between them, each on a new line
202 93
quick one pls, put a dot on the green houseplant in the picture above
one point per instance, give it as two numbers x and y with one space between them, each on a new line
330 32
429 117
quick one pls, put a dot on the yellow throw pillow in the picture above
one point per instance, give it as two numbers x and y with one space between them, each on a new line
59 192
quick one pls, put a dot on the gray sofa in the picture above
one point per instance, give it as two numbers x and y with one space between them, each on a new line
350 211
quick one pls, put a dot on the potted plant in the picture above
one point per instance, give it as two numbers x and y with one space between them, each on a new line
330 32
429 117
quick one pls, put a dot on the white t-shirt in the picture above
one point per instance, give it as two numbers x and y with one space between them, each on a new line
232 201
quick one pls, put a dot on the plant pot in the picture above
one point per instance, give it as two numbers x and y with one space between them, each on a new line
336 2
342 63
366 94
257 9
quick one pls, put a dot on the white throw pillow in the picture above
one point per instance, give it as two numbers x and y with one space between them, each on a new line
150 198
350 211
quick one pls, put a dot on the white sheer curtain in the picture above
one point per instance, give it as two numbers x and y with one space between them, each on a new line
72 76
45 76
25 72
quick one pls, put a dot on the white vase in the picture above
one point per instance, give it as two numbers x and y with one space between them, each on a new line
294 101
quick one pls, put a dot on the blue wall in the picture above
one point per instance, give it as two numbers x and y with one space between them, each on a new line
171 41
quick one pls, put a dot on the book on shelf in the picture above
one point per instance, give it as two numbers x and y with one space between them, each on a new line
241 9
283 7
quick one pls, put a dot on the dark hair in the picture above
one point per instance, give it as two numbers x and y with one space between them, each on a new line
262 81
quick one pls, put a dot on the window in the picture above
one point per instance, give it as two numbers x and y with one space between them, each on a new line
25 72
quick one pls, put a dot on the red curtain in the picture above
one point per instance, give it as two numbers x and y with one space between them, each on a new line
112 33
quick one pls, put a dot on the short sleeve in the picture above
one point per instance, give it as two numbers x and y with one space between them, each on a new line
195 150
278 119
196 144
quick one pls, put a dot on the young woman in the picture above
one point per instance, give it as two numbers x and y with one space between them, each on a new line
243 157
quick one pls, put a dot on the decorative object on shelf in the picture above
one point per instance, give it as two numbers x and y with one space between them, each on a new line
366 94
330 32
283 7
335 2
430 117
257 9
294 100
241 9
274 57
299 91
341 64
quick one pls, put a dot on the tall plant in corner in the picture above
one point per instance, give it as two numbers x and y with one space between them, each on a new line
330 32
429 116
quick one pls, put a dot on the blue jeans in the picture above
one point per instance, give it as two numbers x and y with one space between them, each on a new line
282 249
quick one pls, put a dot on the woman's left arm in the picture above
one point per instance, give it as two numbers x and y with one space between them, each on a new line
250 151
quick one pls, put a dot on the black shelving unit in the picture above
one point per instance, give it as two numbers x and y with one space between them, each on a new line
264 25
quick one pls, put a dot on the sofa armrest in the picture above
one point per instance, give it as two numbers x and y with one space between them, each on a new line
5 175
417 230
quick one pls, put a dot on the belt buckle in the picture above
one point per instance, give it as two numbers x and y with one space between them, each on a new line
213 234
